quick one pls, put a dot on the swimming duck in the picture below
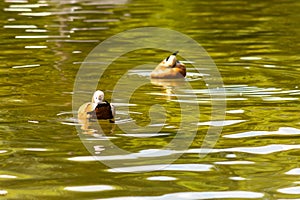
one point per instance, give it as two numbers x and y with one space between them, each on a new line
169 68
97 109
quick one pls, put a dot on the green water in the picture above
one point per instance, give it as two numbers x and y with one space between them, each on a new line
45 155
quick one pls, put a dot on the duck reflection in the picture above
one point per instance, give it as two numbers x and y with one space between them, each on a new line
97 127
169 85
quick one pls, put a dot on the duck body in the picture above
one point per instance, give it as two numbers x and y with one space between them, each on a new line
97 109
169 68
102 111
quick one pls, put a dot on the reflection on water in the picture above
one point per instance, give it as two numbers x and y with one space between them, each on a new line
200 195
90 188
254 45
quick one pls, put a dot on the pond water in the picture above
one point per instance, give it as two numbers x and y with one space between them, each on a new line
157 147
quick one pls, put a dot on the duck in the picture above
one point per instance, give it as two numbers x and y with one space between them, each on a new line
169 68
98 108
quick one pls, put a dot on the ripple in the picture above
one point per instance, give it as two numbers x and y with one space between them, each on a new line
16 1
40 36
37 5
197 195
5 176
65 113
237 178
235 111
89 188
36 30
100 20
250 58
124 104
74 41
20 26
268 149
270 66
161 178
144 135
38 14
25 66
288 131
235 162
36 47
3 151
106 2
102 158
190 76
142 154
89 29
295 171
17 9
290 190
167 167
35 149
220 123
280 98
3 192
139 72
152 153
264 93
231 155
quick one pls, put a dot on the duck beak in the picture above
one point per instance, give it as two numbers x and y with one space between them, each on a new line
175 53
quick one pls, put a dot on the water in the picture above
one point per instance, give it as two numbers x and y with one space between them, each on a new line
43 155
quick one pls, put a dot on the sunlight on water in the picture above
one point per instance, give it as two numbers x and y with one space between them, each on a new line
25 66
290 190
172 167
268 149
295 171
250 58
145 135
40 14
35 149
20 26
36 47
89 188
281 131
236 178
199 195
220 123
161 178
7 176
243 162
3 192
235 111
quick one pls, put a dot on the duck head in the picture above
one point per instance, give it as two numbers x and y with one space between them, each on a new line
171 60
98 97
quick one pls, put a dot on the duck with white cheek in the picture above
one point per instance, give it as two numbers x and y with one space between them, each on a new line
169 68
97 109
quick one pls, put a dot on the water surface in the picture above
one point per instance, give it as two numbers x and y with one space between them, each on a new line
255 46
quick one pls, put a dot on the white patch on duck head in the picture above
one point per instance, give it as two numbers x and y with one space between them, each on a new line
171 60
98 97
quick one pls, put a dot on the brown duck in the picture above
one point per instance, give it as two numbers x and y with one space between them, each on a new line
169 68
97 109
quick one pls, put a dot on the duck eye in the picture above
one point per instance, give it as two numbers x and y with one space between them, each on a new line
167 58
